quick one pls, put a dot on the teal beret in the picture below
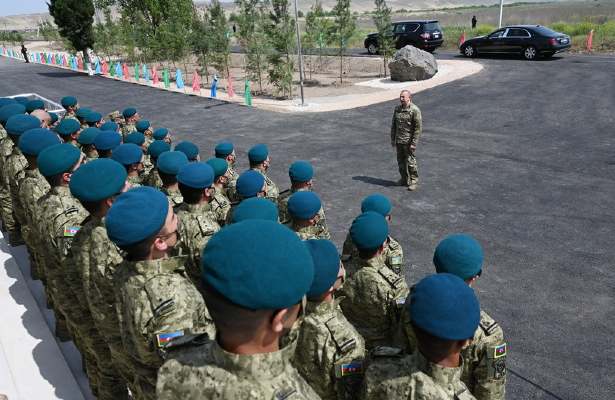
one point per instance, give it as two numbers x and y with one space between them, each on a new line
170 162
250 183
93 117
21 99
137 138
194 175
256 208
69 101
54 117
369 230
5 101
189 149
18 124
88 135
127 154
158 147
304 205
57 159
82 112
109 126
136 215
219 165
444 306
33 141
107 140
378 203
35 105
9 110
258 153
301 171
160 133
326 266
142 125
97 180
129 112
258 265
460 255
68 126
223 149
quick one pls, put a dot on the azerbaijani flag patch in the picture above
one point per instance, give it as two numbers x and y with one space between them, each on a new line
71 231
348 369
163 338
499 351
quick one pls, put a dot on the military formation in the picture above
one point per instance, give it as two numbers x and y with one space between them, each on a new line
178 278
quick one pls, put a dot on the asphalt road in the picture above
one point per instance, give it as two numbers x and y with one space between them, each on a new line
520 155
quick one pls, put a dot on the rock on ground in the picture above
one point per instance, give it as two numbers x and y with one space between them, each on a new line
412 64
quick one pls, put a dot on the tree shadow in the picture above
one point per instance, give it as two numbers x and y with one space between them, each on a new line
374 181
62 74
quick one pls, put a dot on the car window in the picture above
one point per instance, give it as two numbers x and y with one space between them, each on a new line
543 30
497 34
517 32
431 26
412 27
400 28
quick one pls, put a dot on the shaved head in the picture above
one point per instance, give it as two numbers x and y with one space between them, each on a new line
43 116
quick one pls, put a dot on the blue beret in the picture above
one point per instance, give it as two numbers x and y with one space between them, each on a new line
142 125
33 141
68 126
326 266
377 203
460 255
69 101
109 126
369 230
223 149
189 149
301 171
54 117
304 205
219 165
129 112
194 175
21 99
18 124
258 153
9 110
445 307
137 138
170 162
35 105
250 183
158 147
107 140
256 208
88 135
57 159
160 133
5 101
127 154
82 112
258 265
136 215
98 180
93 116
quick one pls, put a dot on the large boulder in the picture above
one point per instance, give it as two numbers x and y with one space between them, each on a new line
412 64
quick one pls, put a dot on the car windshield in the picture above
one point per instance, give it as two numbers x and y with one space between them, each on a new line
431 26
497 34
544 31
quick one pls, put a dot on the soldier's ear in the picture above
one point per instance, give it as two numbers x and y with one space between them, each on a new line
278 319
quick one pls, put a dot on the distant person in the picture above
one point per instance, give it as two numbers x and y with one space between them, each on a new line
474 22
24 51
406 128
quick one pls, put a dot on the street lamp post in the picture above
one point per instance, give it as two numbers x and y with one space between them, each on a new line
501 9
299 53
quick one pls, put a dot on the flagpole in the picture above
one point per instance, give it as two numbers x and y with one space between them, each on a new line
501 10
299 53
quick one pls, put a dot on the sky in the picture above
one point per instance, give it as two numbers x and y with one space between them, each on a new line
12 7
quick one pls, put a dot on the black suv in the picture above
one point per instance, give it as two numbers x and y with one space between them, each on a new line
426 35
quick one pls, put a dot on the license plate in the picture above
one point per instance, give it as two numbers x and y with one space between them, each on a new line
564 41
436 35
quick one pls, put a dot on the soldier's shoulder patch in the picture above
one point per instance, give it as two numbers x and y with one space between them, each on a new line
285 192
496 365
396 260
71 231
386 351
499 351
349 369
285 393
163 338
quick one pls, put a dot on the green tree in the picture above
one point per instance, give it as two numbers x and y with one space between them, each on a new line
280 31
252 38
108 34
74 19
382 20
317 31
343 28
199 41
48 31
220 37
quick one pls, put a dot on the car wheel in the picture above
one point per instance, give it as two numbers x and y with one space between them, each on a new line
469 51
530 53
372 49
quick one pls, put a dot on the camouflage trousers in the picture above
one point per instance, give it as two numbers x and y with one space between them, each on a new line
406 161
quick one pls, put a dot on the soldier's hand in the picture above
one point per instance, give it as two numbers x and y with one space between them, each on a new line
412 147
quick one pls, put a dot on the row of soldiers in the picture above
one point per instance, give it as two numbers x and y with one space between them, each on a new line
178 278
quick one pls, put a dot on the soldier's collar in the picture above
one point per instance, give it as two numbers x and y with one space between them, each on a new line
160 266
192 208
442 375
262 366
61 190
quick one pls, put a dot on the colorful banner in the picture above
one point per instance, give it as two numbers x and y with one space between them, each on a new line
214 87
125 74
247 94
118 71
165 78
154 76
145 73
229 86
179 80
196 82
136 72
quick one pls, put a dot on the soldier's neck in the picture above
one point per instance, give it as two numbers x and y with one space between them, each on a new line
253 346
172 187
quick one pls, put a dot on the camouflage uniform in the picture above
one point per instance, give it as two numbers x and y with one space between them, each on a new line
231 186
406 129
310 232
155 301
393 255
135 181
70 115
210 372
174 196
391 375
128 128
14 171
272 190
329 352
197 224
148 165
6 201
153 179
375 297
283 208
220 206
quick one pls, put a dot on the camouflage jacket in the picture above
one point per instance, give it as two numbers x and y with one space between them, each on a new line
393 255
148 166
220 206
135 181
272 190
330 352
13 172
407 125
210 372
31 188
153 179
310 232
375 297
127 128
283 208
174 196
391 375
231 186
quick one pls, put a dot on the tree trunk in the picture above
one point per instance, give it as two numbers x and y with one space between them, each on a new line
341 65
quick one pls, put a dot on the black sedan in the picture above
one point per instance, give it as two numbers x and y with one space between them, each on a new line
530 41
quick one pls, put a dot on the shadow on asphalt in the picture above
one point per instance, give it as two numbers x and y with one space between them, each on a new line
374 181
537 386
56 74
510 57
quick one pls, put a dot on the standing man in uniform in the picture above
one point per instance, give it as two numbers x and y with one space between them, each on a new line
226 151
131 157
154 151
220 204
71 105
304 208
169 164
406 128
260 162
131 117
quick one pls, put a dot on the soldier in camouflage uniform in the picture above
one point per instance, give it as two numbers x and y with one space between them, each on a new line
197 221
249 184
330 351
6 111
86 142
226 151
105 142
406 129
42 116
155 300
131 157
69 130
155 150
71 105
304 208
255 208
94 119
131 117
144 127
162 134
251 313
220 204
445 315
260 162
168 165
81 114
374 291
393 253
138 138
